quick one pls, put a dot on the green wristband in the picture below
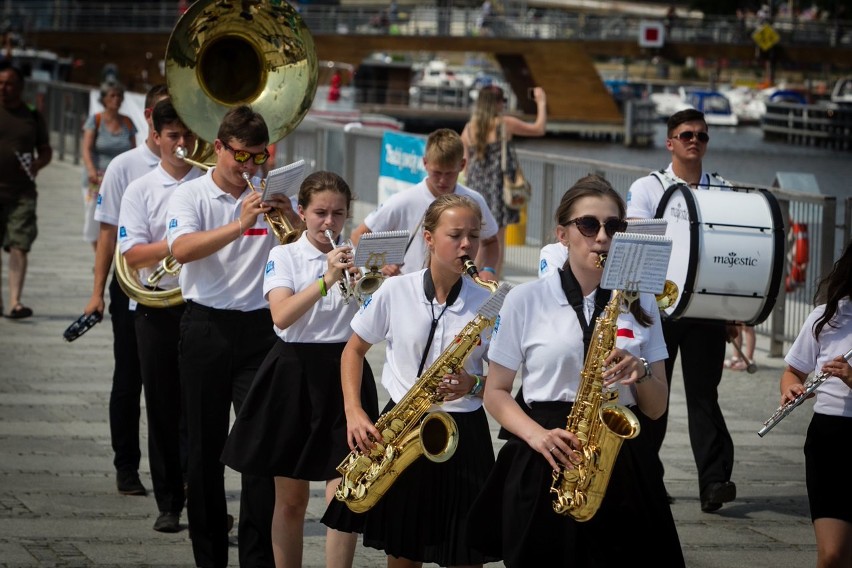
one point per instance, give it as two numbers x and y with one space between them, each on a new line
323 291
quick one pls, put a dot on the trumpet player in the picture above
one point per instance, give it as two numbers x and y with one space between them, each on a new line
443 161
825 336
217 231
142 241
291 425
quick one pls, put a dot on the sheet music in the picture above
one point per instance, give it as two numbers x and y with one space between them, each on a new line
285 180
637 263
379 249
647 226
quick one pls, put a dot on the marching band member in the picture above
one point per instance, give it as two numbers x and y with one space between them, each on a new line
218 232
825 337
422 516
142 241
443 161
291 425
544 331
125 396
701 344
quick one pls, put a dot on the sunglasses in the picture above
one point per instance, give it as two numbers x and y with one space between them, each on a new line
590 226
243 156
688 135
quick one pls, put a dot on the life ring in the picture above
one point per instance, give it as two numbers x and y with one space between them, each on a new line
798 257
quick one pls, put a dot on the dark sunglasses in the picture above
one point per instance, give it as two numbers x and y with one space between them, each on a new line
688 135
589 226
243 156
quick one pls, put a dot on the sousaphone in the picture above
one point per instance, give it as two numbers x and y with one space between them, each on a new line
222 54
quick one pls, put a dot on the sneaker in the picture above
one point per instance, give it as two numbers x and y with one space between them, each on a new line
716 494
128 483
167 523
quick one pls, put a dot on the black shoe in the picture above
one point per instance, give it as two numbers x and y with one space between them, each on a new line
167 523
716 494
129 484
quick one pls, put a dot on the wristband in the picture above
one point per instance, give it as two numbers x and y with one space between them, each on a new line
488 269
477 386
321 282
647 374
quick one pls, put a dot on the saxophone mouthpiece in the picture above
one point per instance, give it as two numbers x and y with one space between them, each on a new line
601 259
469 267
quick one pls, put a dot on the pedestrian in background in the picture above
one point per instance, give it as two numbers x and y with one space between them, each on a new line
482 137
106 134
24 150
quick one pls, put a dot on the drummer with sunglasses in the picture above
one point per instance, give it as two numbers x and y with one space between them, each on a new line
217 231
701 344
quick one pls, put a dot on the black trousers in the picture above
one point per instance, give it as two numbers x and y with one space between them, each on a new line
126 394
220 352
157 333
701 346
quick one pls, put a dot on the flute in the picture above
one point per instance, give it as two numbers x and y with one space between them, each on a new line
810 385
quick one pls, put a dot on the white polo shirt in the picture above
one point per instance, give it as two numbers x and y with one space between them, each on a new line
645 193
551 258
834 397
404 211
400 313
538 333
143 214
300 265
232 277
123 169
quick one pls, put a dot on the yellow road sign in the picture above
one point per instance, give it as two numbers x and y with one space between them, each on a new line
765 37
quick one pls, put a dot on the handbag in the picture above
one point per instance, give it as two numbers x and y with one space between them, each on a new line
517 190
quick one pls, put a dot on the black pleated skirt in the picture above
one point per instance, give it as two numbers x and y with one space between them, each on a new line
822 473
292 422
423 516
513 516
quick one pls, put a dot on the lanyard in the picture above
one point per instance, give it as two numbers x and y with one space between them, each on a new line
429 290
575 297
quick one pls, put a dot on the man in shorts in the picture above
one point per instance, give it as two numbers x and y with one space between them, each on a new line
24 150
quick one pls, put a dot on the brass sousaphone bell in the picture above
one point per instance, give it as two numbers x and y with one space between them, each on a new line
225 53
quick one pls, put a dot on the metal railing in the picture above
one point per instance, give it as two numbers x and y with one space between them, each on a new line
426 19
355 154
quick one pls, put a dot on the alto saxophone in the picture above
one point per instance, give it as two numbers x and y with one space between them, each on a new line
810 385
599 422
408 429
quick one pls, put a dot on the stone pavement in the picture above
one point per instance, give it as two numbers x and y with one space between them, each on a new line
59 506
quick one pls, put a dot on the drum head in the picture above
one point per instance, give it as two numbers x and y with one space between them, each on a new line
727 253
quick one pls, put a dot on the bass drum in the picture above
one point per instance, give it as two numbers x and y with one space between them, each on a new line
727 253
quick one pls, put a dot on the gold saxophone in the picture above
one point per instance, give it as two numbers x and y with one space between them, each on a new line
599 422
408 429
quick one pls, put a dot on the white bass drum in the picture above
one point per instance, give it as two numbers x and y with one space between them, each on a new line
727 252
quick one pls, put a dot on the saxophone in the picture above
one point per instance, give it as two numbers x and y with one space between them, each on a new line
599 422
408 429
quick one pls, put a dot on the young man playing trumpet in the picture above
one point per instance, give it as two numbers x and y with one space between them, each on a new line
142 241
219 233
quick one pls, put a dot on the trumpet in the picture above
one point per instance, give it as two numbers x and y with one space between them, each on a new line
345 290
276 220
810 385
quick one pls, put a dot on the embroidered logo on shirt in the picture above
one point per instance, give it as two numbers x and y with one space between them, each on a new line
496 324
122 232
270 268
543 265
100 199
172 223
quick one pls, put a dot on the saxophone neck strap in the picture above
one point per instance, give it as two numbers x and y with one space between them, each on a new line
429 290
575 297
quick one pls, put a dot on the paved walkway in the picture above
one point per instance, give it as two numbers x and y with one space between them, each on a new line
59 507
